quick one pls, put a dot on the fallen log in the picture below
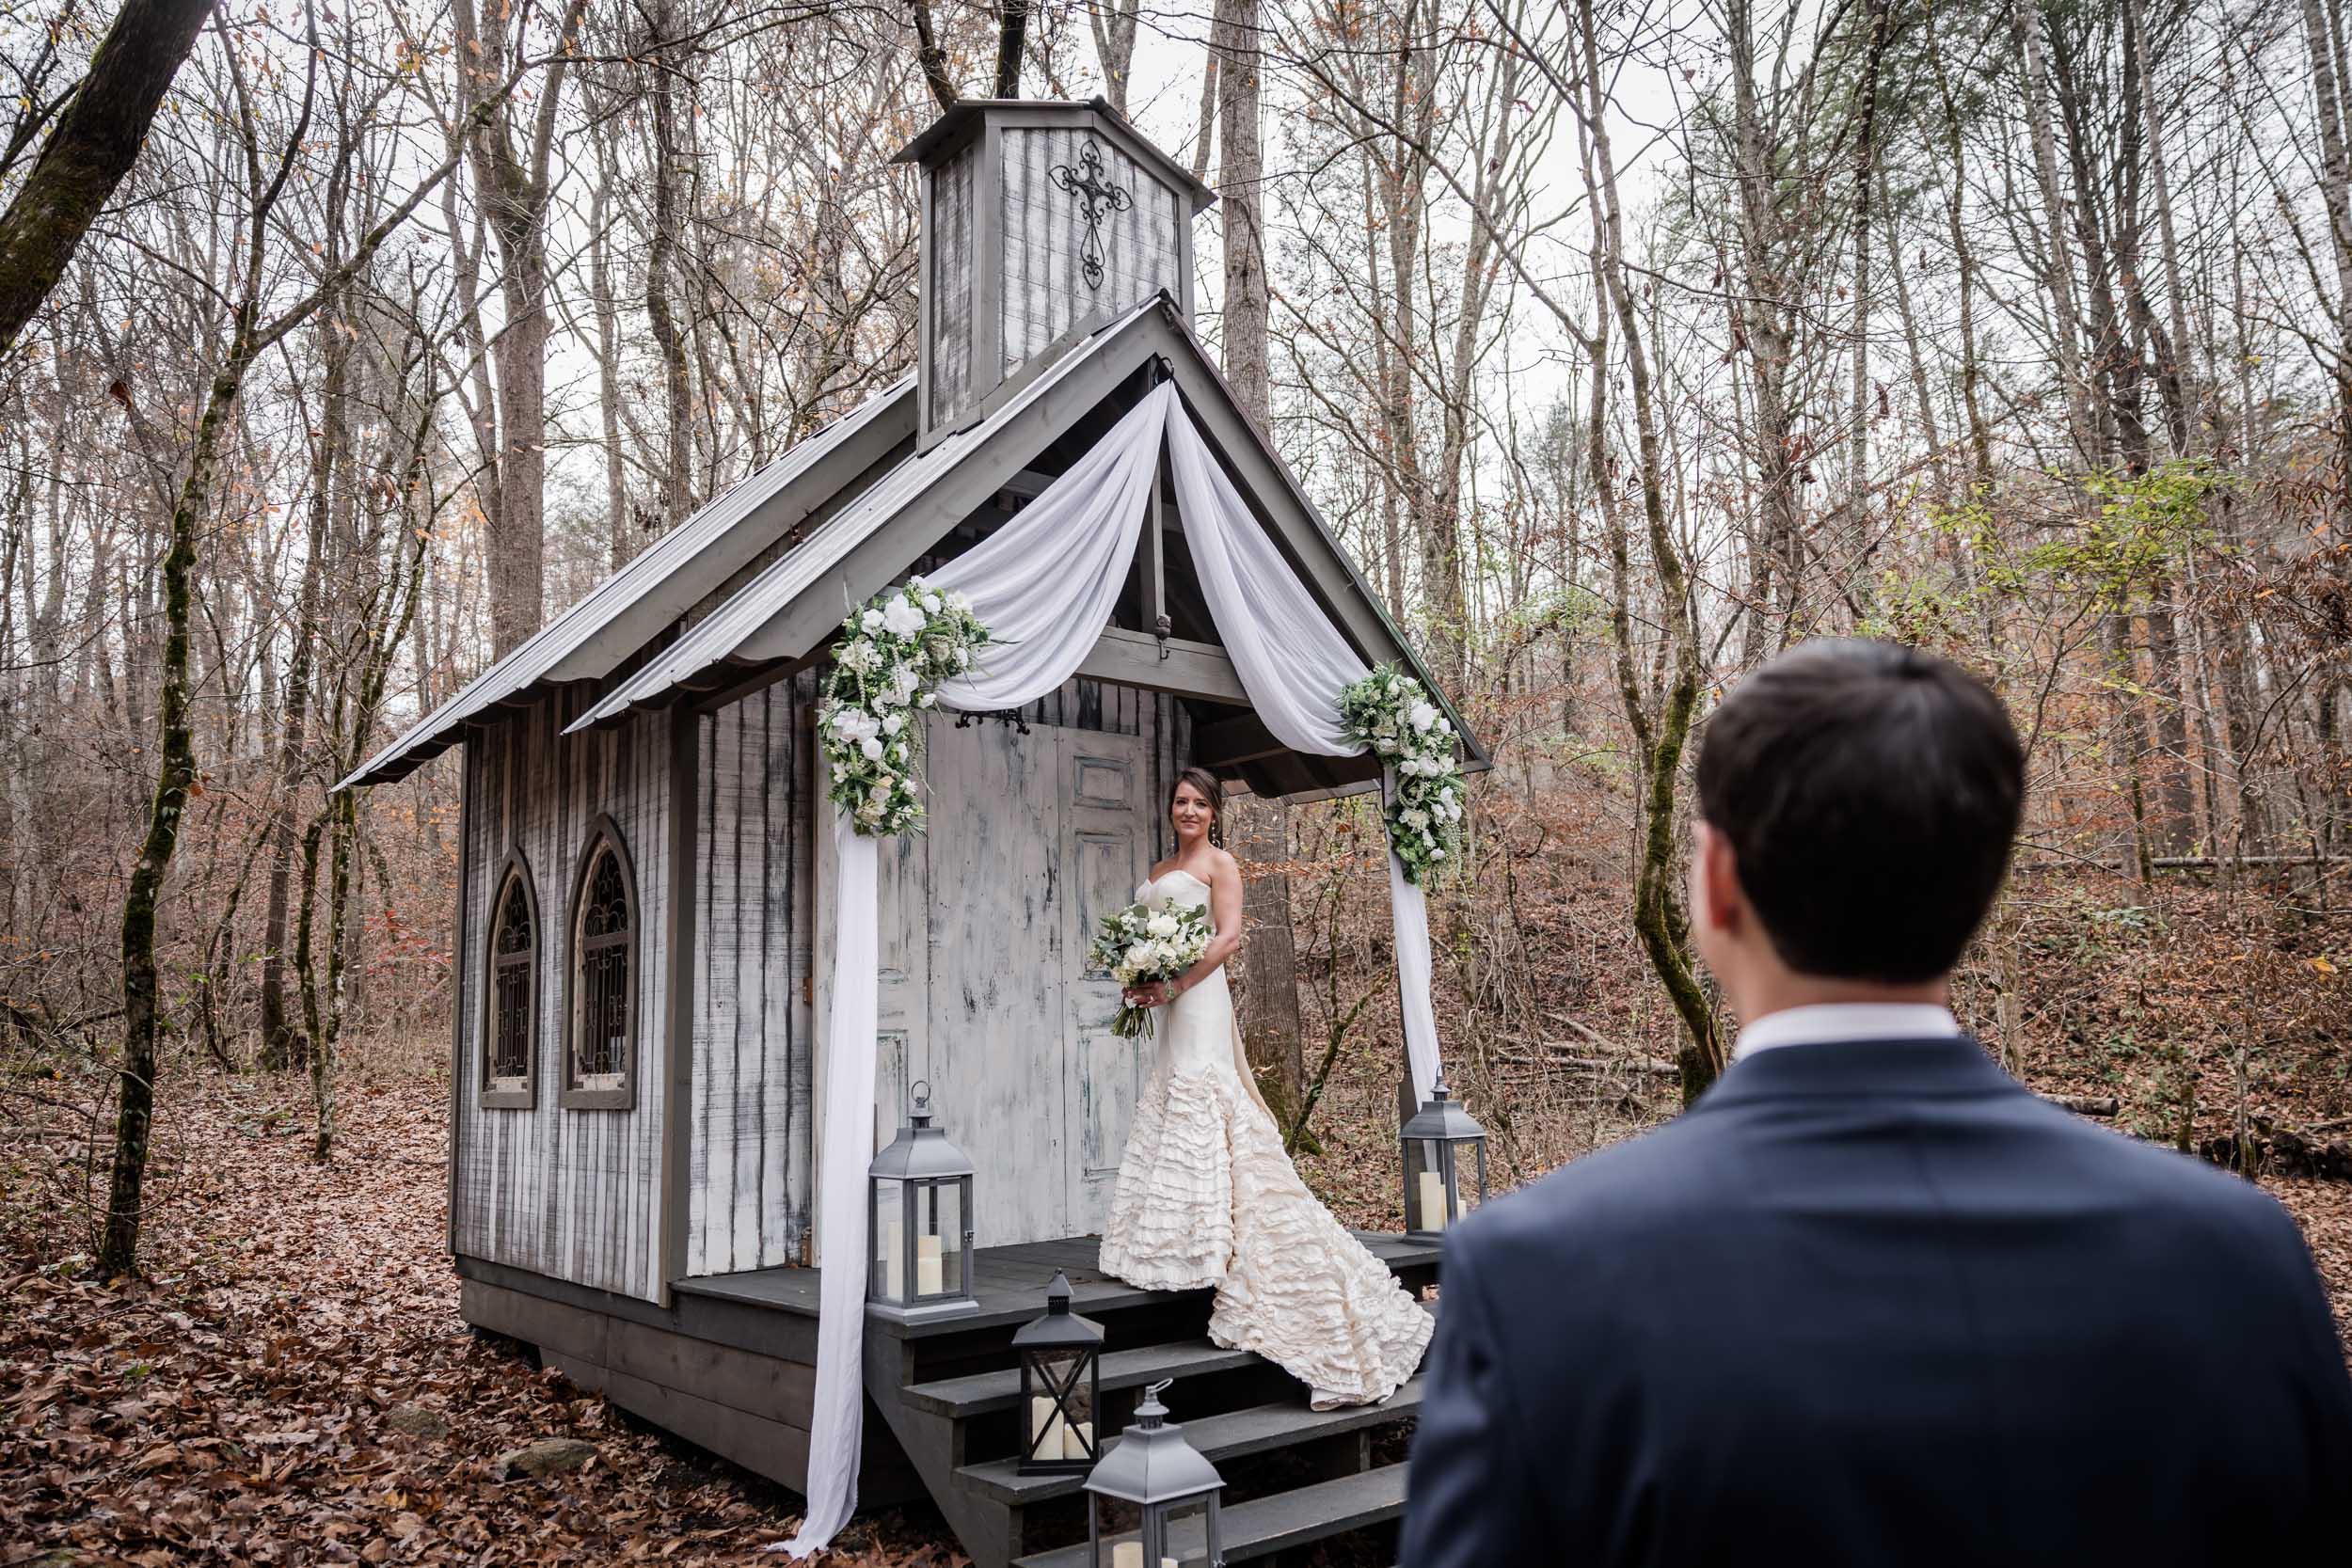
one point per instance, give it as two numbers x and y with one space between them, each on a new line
1563 1053
2086 1104
2271 1150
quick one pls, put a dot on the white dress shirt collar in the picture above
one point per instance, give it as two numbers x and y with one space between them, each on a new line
1826 1022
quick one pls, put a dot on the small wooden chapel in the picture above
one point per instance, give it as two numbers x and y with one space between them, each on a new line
642 950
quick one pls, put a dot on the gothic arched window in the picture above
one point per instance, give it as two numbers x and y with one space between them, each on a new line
600 1022
511 1020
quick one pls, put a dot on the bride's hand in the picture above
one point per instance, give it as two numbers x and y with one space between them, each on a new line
1154 994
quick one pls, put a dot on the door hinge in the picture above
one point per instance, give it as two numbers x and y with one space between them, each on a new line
808 989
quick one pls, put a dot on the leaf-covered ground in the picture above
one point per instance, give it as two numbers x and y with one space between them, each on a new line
237 1405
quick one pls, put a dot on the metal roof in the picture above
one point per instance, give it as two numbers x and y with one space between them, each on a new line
629 609
744 631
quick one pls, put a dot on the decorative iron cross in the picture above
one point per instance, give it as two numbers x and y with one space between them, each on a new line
1096 196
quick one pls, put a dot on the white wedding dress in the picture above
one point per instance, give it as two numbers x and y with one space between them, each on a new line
1207 1197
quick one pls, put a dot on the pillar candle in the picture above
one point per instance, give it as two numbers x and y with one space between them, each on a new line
1078 1440
1128 1554
1432 1201
894 1271
928 1275
1048 1435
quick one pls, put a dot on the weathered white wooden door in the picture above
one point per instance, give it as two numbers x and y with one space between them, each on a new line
1106 846
996 977
986 993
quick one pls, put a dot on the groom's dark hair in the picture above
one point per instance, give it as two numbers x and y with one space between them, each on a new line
1870 793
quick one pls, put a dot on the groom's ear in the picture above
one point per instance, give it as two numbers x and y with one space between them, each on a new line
1717 902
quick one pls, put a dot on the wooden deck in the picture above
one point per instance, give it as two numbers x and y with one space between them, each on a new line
1011 1284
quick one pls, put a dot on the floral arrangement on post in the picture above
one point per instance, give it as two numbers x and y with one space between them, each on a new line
1390 712
885 671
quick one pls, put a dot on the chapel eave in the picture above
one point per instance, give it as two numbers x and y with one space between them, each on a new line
784 616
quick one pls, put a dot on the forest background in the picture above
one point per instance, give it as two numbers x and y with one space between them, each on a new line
1624 344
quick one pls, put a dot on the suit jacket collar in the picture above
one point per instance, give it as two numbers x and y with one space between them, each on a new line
1868 1068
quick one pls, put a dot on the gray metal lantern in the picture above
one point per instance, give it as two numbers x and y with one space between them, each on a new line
1153 1501
1438 1140
920 1201
1062 1388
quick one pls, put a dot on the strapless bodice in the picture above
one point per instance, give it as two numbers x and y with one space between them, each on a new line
1179 886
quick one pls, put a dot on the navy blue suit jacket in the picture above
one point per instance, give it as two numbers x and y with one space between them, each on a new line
1874 1302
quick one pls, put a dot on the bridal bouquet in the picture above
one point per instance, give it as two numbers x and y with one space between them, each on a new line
1140 944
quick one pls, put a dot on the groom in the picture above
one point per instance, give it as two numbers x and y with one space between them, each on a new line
1870 1302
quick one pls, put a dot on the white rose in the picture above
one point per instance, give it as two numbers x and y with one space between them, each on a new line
963 658
1437 854
925 700
1446 795
902 617
1163 925
893 724
904 683
1417 820
1422 717
872 747
1428 842
930 604
872 622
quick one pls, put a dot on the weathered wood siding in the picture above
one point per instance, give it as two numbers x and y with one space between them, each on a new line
570 1194
954 269
1045 292
748 1166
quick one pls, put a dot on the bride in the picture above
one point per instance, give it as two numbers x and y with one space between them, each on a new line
1206 1195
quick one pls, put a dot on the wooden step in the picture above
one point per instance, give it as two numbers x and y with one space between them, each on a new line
984 1393
978 1394
1287 1519
1233 1434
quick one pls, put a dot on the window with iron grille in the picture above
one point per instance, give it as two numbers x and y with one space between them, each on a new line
602 1023
512 1015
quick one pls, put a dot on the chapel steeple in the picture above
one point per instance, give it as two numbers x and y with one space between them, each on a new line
1041 221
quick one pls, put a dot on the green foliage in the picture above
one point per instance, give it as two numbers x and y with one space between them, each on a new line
2145 525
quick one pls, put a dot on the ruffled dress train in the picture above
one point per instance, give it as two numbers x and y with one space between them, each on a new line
1206 1196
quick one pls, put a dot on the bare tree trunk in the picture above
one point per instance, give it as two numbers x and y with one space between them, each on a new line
676 488
2057 267
1011 38
280 1044
1114 26
1865 160
619 546
1241 174
933 58
92 146
1658 912
513 186
1761 325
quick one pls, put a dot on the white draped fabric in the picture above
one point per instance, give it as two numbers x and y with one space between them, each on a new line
838 1421
1044 584
1290 657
